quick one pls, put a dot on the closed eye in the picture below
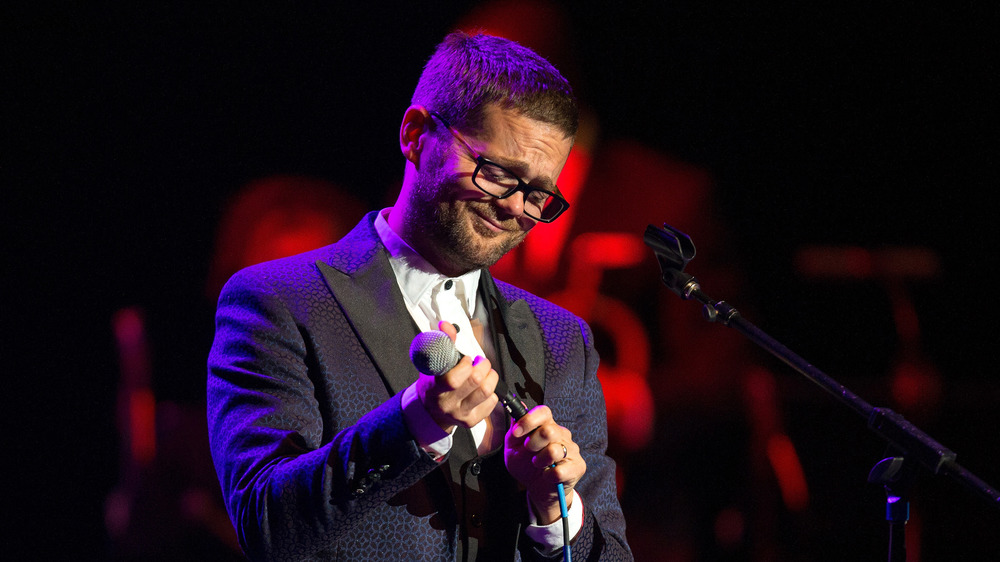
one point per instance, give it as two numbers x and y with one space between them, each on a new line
538 197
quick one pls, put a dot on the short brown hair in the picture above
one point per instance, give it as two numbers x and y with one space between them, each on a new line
466 73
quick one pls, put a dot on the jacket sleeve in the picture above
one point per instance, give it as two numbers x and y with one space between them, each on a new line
292 485
582 410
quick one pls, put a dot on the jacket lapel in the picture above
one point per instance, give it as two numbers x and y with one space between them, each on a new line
364 286
518 341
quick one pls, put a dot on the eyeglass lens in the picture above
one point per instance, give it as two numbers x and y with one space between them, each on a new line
500 182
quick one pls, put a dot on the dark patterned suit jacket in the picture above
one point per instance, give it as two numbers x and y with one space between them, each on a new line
305 421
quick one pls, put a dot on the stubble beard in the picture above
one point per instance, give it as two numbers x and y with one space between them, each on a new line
450 228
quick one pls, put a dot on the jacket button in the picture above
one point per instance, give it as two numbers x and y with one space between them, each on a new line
475 468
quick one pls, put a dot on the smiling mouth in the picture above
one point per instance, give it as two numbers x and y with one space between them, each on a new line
491 223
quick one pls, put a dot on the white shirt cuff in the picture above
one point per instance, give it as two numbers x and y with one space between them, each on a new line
550 537
428 434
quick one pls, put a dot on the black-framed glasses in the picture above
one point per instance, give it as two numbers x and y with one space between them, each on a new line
499 182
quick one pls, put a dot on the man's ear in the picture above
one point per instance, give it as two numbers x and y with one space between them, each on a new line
413 132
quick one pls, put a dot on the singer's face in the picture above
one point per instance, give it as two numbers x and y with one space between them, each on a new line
460 227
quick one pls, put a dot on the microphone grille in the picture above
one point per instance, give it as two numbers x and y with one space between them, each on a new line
433 353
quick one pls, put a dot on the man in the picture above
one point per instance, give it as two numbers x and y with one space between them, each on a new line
330 445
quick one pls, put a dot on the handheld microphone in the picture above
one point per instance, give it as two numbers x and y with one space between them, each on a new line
433 353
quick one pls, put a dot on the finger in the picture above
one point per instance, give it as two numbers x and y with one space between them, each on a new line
479 376
483 409
481 399
552 455
531 421
567 472
480 381
449 329
546 434
458 376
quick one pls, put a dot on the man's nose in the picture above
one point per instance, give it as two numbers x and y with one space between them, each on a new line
512 205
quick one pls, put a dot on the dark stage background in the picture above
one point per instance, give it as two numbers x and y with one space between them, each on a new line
128 130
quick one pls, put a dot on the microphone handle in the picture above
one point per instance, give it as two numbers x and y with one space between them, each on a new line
515 408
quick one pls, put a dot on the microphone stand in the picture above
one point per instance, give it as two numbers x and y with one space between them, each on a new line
674 250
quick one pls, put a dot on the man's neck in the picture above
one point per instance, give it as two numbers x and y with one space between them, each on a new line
420 245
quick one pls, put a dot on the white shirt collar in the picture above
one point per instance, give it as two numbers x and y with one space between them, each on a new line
416 276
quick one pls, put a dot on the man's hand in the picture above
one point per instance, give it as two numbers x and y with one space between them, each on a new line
539 454
462 396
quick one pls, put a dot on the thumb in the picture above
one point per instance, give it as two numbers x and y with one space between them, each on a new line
449 329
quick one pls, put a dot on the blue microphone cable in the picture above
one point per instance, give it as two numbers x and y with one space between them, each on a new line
567 551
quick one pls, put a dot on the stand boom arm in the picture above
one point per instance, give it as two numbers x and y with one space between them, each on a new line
674 250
